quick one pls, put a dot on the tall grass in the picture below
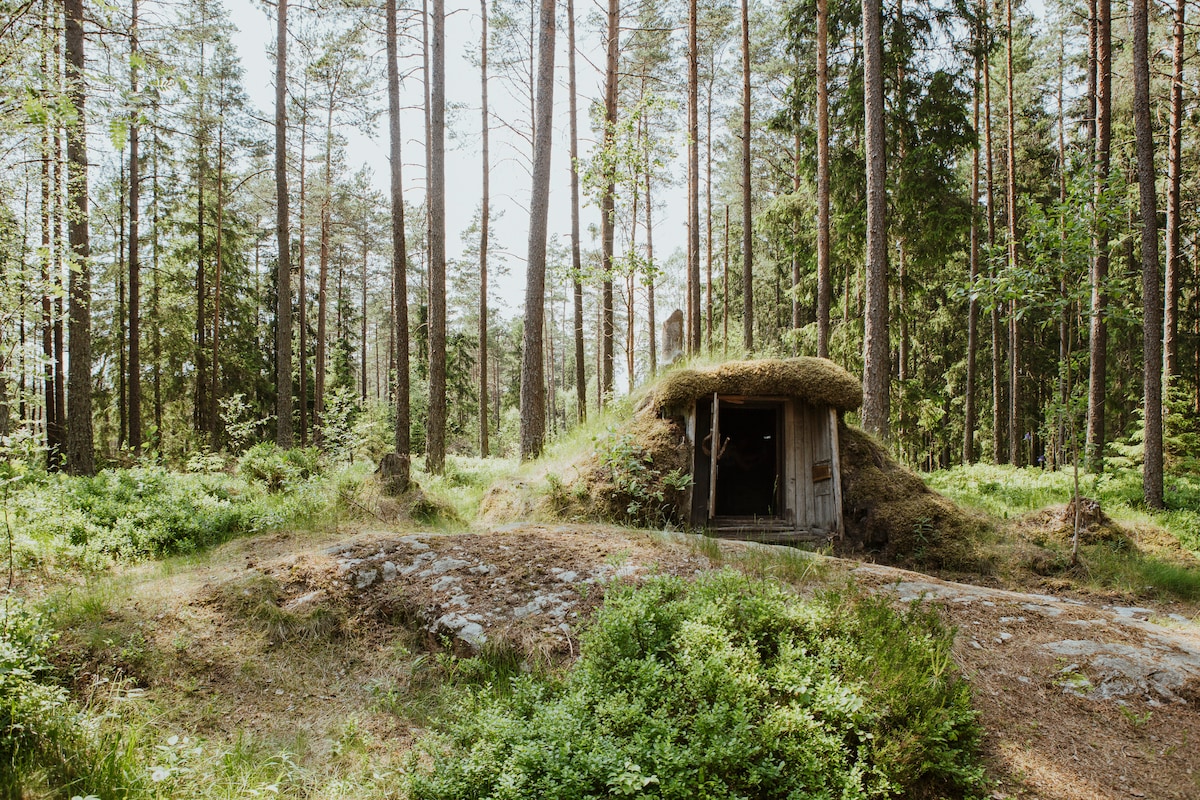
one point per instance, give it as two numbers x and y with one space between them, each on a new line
1007 492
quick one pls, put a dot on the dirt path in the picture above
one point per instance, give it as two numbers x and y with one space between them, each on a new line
1080 700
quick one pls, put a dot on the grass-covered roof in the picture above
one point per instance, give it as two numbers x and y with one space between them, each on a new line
816 380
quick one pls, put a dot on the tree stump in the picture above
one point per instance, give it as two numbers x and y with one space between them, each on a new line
393 472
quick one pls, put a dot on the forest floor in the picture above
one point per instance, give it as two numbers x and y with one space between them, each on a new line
325 645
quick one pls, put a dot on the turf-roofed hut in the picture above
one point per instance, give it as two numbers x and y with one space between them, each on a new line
764 444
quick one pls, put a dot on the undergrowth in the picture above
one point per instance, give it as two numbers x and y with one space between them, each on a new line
726 687
1116 563
81 523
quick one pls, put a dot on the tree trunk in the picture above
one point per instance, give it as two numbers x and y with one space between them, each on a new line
725 290
576 260
54 439
323 273
708 217
876 347
62 257
747 224
608 201
1014 333
155 318
302 269
213 417
1152 349
80 454
484 220
399 479
1174 175
651 274
122 418
533 399
435 451
283 327
200 401
968 451
824 289
1098 335
362 355
135 360
693 154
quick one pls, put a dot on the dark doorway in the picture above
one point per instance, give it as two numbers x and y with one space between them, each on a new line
748 467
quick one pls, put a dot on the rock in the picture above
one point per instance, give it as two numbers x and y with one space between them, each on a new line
389 571
444 564
466 630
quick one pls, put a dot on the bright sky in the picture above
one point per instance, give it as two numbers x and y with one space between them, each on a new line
510 182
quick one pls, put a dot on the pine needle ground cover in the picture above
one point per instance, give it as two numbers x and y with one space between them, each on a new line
725 687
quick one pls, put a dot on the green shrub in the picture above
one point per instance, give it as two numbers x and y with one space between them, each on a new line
149 511
728 687
276 467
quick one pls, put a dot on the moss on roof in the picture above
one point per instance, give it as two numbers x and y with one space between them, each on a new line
817 380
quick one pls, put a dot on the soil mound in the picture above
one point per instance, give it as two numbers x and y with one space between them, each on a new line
889 512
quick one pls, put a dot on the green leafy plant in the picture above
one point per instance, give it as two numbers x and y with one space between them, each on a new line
728 687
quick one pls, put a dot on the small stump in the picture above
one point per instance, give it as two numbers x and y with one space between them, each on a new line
394 472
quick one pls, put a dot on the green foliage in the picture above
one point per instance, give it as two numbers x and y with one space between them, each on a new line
1009 492
241 425
150 511
728 687
45 742
337 424
643 492
276 467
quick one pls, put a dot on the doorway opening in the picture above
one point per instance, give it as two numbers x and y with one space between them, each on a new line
748 471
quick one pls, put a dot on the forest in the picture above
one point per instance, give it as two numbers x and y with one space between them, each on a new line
980 209
979 254
342 351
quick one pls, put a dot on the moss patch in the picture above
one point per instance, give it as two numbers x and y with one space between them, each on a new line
890 511
817 380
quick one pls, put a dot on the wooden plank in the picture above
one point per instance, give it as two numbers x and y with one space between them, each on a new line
836 460
805 443
791 463
715 455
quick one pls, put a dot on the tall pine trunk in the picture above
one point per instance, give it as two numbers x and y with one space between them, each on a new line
1098 334
1014 331
401 464
608 201
876 347
824 289
135 358
747 228
283 283
576 260
323 272
435 451
533 387
968 451
485 214
80 451
1152 350
1174 178
693 156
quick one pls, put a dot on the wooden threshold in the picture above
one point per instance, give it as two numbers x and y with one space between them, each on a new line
769 530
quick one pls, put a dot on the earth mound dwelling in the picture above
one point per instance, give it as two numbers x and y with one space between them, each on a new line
764 445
